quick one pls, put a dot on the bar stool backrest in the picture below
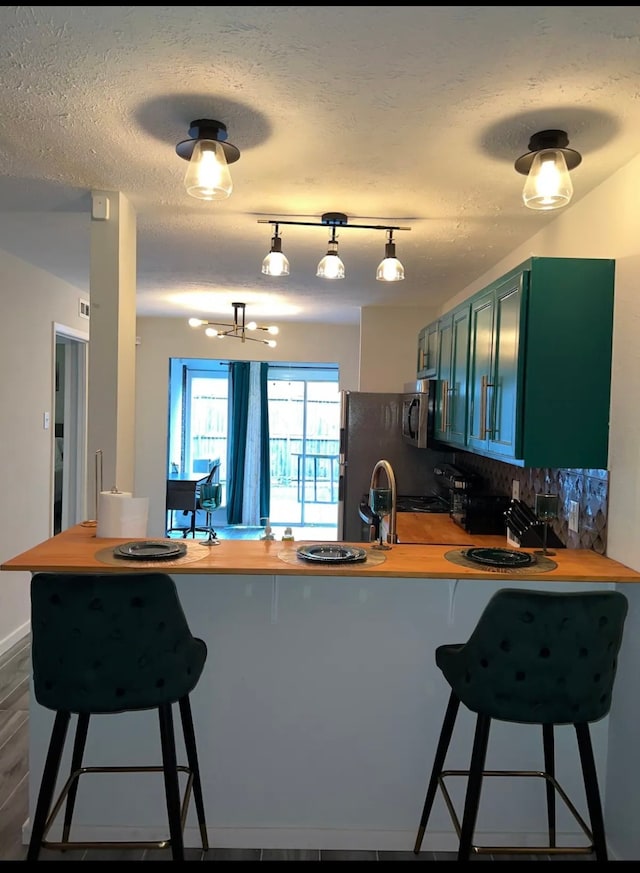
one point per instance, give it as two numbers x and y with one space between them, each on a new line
111 643
540 657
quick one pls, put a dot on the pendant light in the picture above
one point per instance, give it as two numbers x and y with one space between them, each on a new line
390 269
209 154
331 266
547 165
275 263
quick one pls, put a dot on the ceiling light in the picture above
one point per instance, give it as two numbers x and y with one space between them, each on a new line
547 165
390 269
331 265
208 153
275 263
238 329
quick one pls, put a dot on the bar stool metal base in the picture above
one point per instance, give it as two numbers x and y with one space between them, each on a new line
550 849
72 783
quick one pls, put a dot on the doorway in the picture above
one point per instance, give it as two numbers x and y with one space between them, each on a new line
69 450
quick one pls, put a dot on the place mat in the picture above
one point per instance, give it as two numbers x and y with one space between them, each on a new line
195 552
542 564
290 556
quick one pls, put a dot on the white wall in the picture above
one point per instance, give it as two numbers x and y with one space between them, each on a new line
32 301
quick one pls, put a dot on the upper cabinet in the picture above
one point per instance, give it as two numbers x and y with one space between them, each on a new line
427 351
538 366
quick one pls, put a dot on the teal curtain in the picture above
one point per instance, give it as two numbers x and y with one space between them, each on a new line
248 446
264 448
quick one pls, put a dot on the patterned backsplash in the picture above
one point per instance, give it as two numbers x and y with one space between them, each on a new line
589 488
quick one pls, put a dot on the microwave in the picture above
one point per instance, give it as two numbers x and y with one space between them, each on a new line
418 414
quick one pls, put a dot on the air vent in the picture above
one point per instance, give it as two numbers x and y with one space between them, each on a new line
83 308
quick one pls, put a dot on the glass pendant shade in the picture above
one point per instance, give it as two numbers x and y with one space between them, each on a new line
275 263
390 269
208 176
331 267
548 184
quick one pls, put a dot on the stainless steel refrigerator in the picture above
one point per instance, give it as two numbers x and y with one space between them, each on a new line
370 431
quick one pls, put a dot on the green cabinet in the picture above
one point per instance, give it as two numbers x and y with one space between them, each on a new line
427 351
524 366
540 364
452 375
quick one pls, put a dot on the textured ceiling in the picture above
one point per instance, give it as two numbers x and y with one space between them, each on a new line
401 115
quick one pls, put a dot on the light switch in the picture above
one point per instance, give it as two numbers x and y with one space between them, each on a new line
45 421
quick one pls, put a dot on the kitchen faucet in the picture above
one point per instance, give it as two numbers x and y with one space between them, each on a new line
392 535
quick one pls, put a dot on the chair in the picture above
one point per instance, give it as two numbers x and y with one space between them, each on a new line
213 476
109 644
182 496
535 657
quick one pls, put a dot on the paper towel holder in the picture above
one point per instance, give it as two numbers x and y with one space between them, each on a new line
93 522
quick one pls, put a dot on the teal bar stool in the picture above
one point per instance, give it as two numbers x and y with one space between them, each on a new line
535 657
103 645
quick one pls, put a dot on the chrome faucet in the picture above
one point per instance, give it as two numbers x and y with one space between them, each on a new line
392 536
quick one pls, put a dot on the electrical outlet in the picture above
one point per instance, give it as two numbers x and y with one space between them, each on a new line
573 515
515 489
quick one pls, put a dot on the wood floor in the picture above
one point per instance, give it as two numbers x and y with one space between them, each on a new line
14 771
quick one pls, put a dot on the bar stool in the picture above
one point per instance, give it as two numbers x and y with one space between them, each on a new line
108 644
534 657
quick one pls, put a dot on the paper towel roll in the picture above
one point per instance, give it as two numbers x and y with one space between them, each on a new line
121 515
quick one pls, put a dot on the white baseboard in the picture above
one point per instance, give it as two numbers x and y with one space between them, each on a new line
309 838
14 637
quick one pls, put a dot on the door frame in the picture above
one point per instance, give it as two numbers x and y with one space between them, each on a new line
74 452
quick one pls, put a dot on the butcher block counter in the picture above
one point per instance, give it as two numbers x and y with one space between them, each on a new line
77 550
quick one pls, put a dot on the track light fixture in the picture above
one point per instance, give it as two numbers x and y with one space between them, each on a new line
209 154
238 329
547 165
331 266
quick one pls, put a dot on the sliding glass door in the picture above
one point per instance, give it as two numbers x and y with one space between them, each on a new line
303 433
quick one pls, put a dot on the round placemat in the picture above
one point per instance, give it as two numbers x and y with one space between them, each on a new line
290 556
195 552
542 564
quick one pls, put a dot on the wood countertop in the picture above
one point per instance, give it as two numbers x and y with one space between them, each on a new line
77 550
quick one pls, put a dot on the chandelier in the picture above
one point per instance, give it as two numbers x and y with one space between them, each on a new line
239 328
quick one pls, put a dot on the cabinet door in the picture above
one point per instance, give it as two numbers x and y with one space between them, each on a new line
494 371
443 374
451 395
504 426
427 351
458 386
480 369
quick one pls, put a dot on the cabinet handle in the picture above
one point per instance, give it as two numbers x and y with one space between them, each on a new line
445 405
484 430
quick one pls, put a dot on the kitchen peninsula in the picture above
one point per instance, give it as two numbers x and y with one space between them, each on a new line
319 708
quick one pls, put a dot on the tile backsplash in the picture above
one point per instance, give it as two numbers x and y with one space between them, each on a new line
589 488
